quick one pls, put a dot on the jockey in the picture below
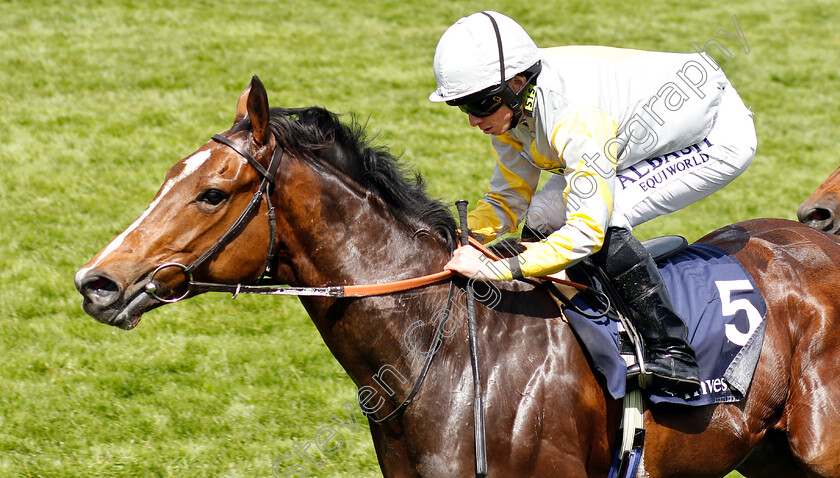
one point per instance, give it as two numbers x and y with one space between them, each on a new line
629 135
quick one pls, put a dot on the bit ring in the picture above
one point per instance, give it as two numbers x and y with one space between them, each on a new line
151 286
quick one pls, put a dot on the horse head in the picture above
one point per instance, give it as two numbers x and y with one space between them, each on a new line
201 198
214 218
820 211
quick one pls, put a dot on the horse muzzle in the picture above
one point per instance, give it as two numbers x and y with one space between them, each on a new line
107 301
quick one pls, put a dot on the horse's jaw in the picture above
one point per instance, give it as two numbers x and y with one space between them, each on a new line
126 317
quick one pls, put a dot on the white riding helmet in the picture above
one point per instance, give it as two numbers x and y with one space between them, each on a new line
467 55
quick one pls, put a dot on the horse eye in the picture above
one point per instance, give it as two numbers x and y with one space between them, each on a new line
212 197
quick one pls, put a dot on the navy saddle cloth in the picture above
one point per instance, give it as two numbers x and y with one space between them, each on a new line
724 313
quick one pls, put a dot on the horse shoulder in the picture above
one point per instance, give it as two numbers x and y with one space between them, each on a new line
544 399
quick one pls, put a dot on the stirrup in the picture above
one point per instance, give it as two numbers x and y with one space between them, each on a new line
667 383
628 456
631 348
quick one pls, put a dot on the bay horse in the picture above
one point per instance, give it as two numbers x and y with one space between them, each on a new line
822 209
348 213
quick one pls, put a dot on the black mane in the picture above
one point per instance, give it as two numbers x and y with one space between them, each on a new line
317 133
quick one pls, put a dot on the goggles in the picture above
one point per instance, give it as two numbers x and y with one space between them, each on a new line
488 101
481 107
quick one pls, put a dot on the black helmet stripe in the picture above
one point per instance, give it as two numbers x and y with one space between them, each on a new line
498 42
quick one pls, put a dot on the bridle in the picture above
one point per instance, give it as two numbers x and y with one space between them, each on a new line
250 211
265 189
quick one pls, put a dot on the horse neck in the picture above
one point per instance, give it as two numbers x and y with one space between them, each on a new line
338 233
343 235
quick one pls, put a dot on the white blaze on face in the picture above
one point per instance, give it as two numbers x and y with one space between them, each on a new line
191 165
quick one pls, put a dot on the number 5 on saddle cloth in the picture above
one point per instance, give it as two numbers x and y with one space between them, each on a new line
717 298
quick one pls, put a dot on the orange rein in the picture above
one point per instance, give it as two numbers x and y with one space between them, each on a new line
364 290
406 284
396 286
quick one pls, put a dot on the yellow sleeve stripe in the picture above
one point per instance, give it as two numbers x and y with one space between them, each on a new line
592 225
512 217
484 221
519 185
601 187
549 256
508 139
543 162
558 250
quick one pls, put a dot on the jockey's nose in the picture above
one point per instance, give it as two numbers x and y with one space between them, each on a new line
474 120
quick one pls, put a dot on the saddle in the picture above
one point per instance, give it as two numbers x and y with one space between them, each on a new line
724 312
601 294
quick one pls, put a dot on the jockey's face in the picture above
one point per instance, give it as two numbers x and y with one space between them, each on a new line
496 124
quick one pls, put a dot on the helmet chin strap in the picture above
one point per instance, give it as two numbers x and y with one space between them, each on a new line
515 104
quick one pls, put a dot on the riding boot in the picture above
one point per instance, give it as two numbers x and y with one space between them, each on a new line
669 358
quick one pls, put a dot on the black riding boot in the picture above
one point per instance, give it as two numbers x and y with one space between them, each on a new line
633 273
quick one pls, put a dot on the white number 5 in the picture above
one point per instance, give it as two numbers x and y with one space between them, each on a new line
730 307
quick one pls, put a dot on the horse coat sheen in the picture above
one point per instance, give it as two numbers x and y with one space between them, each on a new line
546 411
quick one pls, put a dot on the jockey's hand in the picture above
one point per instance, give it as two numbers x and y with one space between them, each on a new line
470 262
528 245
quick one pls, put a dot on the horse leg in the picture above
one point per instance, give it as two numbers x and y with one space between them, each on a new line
772 458
812 427
811 413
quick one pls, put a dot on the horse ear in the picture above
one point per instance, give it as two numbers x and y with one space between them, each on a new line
242 106
258 110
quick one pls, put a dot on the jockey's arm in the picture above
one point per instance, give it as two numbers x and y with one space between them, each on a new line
579 138
509 193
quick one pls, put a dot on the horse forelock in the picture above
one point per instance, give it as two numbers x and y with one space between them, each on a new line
316 134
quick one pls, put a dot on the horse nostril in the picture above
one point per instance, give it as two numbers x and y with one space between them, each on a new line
819 214
100 290
819 218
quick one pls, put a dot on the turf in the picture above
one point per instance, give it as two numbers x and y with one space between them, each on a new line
101 97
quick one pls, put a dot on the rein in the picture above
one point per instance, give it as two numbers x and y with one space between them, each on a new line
337 291
267 175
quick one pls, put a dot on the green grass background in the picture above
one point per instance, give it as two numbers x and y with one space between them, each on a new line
99 98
